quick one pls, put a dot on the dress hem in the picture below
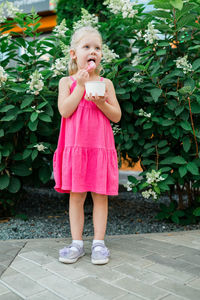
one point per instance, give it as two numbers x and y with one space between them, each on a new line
67 190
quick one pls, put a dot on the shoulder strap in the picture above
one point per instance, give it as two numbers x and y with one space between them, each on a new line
101 78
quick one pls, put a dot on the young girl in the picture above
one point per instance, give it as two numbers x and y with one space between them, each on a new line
86 158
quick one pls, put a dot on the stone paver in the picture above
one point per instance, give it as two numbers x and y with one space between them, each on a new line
158 266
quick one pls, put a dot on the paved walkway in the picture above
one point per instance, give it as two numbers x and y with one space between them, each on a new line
147 266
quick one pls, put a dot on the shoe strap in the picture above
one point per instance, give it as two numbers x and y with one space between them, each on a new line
98 245
76 246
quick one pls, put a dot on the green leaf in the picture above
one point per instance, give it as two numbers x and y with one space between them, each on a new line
179 160
34 116
44 117
196 64
155 93
1 132
185 90
182 171
196 212
162 143
186 125
34 154
178 4
167 122
179 110
26 153
175 219
128 106
27 101
192 168
14 185
21 169
186 143
4 181
33 125
7 108
8 118
161 52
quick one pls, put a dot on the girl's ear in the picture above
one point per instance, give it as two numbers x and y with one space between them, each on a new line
72 54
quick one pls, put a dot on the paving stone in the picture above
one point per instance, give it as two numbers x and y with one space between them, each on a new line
45 295
22 284
90 296
195 283
66 270
146 276
10 296
3 289
170 272
177 263
193 270
62 287
2 269
101 288
9 272
30 269
130 297
179 289
103 272
192 259
130 248
36 257
140 288
173 297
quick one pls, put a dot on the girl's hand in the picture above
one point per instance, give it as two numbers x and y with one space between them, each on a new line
81 77
98 100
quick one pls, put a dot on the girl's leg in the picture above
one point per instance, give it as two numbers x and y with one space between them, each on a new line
76 214
100 215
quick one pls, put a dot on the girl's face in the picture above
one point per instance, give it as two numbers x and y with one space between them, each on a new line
89 48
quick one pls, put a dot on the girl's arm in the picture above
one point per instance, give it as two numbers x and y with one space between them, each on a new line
111 109
67 103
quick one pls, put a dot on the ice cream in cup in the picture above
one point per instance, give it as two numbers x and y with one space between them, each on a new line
95 87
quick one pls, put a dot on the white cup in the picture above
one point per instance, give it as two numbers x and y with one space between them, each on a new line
95 87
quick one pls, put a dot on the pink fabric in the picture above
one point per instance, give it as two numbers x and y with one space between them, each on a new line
86 158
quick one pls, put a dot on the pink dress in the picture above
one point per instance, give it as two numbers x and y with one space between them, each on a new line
86 158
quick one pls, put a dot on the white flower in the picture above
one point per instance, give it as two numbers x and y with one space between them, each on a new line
65 50
136 78
144 114
151 34
87 19
60 66
60 29
136 61
125 7
37 110
154 177
108 55
182 63
40 147
3 76
35 84
116 129
129 185
149 193
8 9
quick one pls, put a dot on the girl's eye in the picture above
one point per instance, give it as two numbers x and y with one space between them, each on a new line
98 48
86 46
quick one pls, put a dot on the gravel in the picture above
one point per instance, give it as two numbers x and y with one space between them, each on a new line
47 216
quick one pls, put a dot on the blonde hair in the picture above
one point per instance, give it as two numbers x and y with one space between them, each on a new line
75 40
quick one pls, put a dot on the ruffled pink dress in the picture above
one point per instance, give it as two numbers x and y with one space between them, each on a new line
86 159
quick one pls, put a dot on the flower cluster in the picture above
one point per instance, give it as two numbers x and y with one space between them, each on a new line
60 66
87 19
129 185
108 55
116 129
136 61
65 50
136 78
152 179
40 147
60 29
142 113
35 84
151 34
182 63
8 9
121 6
3 76
149 193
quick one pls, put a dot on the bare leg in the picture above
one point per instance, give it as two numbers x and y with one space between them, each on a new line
76 214
100 215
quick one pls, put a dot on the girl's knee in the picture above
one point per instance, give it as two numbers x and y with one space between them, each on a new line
78 196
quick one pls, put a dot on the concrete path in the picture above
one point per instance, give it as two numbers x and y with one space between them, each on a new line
146 266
